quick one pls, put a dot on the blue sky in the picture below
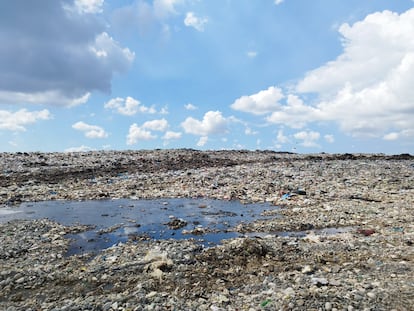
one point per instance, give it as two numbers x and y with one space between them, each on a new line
293 75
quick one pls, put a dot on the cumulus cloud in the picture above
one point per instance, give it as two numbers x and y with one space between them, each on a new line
137 134
190 107
82 148
90 131
329 138
128 106
143 17
198 23
249 131
213 123
260 103
309 138
70 55
251 54
16 121
169 135
368 88
397 135
165 8
281 138
294 114
141 133
164 110
202 141
156 125
391 136
43 98
89 6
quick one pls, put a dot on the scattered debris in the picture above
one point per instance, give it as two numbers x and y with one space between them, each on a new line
310 271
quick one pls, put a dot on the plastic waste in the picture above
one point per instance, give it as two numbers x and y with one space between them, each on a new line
286 196
265 303
366 232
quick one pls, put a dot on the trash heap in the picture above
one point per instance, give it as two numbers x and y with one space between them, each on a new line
369 265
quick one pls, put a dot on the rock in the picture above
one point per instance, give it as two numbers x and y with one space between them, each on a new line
21 280
151 295
319 281
177 223
307 269
334 282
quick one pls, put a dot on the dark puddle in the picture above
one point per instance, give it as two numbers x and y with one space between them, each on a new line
114 221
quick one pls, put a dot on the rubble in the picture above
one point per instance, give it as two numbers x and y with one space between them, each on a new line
369 265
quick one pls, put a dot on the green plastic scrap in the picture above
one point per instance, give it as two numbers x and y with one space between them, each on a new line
266 302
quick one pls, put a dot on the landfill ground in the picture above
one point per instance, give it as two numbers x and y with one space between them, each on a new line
342 235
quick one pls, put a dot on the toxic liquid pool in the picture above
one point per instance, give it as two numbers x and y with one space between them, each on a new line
114 221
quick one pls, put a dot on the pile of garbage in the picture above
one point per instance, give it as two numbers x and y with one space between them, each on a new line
348 219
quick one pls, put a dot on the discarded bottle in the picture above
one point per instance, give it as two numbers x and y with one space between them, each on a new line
265 303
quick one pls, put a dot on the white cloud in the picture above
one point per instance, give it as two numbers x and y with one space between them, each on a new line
89 6
50 98
164 110
165 8
145 17
391 136
294 114
309 138
277 2
190 106
137 134
405 134
368 89
128 106
251 54
156 125
329 138
172 135
260 103
16 121
202 141
373 48
249 131
191 20
82 148
90 131
213 123
107 48
281 138
70 56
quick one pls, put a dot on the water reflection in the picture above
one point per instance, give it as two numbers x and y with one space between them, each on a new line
116 221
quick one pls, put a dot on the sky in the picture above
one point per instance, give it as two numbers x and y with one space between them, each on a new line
304 76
